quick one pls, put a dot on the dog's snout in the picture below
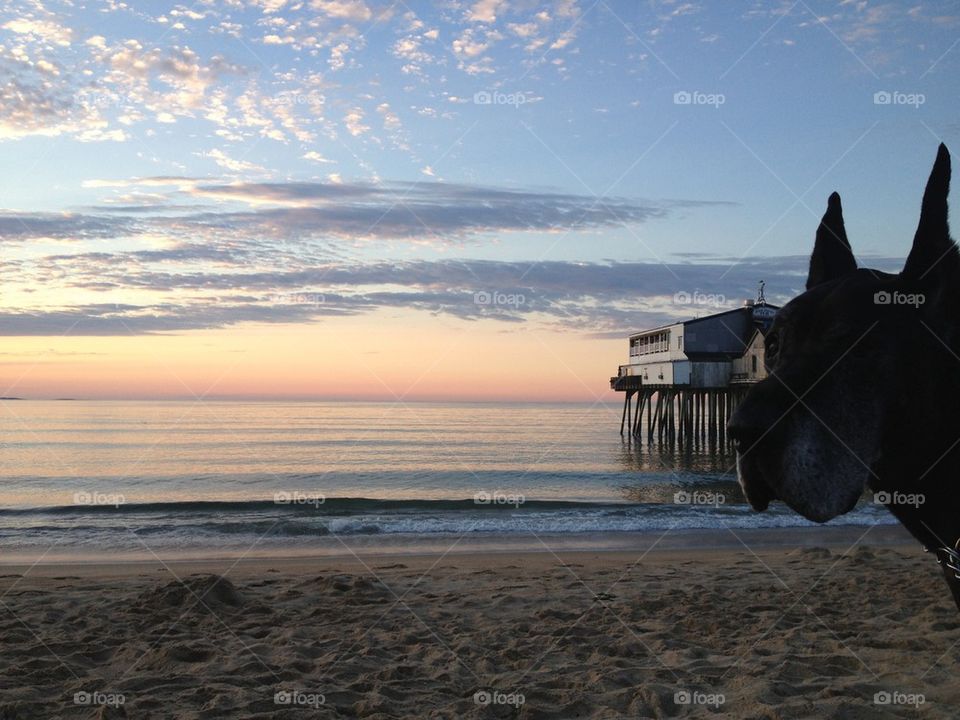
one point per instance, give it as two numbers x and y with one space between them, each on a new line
757 414
745 430
747 427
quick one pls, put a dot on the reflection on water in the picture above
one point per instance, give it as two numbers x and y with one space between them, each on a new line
715 459
186 452
704 467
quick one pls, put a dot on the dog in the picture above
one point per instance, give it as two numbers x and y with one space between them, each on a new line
863 388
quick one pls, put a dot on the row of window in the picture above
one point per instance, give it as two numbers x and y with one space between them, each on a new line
657 342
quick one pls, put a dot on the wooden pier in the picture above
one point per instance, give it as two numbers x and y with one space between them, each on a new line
689 376
676 414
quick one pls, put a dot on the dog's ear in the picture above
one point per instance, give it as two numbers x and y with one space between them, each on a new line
832 256
933 257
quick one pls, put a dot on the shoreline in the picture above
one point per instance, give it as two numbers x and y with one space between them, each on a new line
627 544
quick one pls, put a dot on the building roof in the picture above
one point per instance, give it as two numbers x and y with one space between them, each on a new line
740 309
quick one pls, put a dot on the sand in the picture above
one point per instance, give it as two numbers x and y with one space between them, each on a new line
839 631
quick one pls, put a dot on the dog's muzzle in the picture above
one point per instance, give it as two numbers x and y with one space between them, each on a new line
755 488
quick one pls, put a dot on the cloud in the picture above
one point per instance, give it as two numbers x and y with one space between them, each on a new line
523 30
60 226
432 210
126 319
316 157
611 299
485 11
179 181
107 88
390 119
438 211
468 45
221 159
338 52
229 260
182 209
343 9
410 51
353 121
36 99
46 30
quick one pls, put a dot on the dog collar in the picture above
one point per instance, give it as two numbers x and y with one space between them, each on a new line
949 560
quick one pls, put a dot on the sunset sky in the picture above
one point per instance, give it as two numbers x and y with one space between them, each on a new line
450 200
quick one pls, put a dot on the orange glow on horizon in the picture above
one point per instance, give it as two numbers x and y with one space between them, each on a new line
383 356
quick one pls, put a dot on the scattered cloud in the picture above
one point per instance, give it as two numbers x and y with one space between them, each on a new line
356 10
485 11
316 157
606 298
228 259
353 121
240 166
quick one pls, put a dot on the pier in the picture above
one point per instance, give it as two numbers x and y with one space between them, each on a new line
676 414
683 381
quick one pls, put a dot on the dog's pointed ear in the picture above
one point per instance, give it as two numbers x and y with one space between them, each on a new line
933 254
832 256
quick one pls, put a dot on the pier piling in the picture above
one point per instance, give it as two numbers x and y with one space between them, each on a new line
673 414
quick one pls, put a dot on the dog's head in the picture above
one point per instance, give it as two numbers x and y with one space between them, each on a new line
812 433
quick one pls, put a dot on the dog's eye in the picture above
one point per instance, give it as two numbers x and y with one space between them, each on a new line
772 345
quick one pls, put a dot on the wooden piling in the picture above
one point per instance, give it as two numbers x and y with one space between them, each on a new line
678 414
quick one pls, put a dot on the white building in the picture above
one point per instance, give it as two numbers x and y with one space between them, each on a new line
706 352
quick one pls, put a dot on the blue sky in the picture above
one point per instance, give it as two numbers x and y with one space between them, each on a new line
174 167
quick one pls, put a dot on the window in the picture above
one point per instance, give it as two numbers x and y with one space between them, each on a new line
753 361
679 342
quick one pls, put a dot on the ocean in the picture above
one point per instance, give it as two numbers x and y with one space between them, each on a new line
235 478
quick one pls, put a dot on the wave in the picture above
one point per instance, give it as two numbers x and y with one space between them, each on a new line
218 523
309 505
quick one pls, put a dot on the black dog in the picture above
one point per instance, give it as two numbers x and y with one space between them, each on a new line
864 386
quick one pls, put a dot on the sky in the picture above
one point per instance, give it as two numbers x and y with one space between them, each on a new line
452 200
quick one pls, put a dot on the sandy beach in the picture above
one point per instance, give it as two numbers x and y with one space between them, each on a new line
845 629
